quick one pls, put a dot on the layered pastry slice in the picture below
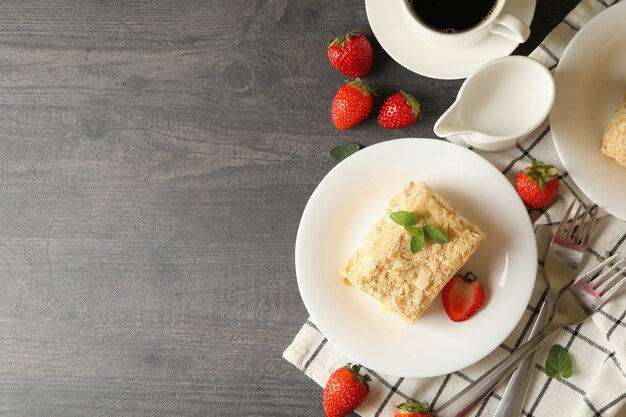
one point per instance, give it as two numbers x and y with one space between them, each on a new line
406 281
614 140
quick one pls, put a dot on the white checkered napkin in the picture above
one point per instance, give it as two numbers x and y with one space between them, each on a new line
597 347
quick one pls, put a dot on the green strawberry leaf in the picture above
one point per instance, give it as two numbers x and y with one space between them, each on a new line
415 105
558 363
540 173
404 218
542 183
341 152
434 234
417 239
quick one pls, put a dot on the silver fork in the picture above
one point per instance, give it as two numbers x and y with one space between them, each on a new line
574 304
563 259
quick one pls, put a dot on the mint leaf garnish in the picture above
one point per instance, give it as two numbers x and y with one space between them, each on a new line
414 230
419 233
435 234
341 152
558 363
404 218
417 239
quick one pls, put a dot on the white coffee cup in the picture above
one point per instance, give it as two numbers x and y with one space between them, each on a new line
498 21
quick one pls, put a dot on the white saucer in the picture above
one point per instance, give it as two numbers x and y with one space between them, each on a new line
409 51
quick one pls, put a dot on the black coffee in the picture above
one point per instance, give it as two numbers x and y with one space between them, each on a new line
452 15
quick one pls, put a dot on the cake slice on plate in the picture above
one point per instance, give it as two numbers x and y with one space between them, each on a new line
614 140
406 281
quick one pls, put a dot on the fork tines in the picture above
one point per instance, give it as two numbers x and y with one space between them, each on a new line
579 231
607 277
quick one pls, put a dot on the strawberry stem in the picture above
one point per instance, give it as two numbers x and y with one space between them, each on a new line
469 277
540 173
415 105
365 89
358 377
414 407
341 40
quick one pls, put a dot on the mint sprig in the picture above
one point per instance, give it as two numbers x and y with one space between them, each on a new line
558 363
341 152
419 230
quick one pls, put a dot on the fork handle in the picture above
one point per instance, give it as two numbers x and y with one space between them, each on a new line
515 392
464 402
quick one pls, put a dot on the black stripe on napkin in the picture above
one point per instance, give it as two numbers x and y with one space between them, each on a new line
610 405
618 244
533 407
591 406
525 152
310 323
610 317
547 50
616 362
617 323
569 187
315 353
589 341
380 378
565 382
530 321
571 25
483 404
388 397
440 390
546 385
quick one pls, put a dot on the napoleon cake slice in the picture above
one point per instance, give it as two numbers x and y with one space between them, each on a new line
614 139
405 282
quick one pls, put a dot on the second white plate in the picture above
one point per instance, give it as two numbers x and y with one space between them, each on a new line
590 84
348 202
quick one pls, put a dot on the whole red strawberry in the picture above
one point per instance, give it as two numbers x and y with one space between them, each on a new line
352 103
399 110
537 185
351 54
462 297
345 390
413 409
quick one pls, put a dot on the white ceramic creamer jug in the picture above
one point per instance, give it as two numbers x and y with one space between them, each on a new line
499 105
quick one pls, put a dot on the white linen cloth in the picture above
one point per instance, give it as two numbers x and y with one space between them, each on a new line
597 347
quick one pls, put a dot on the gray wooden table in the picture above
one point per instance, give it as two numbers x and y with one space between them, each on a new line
155 158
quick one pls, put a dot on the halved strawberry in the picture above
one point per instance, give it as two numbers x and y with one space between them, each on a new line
462 297
413 409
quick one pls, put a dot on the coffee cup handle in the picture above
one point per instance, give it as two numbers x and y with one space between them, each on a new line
510 27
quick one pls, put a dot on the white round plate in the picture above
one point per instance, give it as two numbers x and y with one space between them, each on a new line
409 51
590 84
352 198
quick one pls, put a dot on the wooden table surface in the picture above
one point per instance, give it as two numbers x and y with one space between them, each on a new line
155 158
